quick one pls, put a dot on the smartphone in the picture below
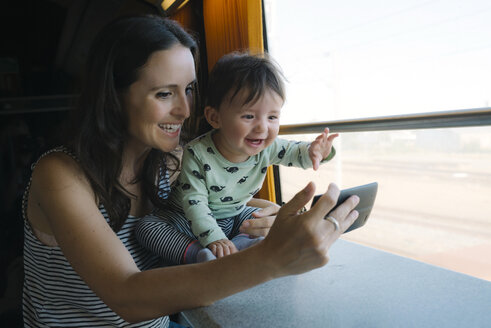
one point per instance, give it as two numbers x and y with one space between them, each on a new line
367 194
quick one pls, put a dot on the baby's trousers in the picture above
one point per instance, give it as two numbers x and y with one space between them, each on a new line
168 233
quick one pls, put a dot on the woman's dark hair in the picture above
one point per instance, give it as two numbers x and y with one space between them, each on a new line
99 126
237 71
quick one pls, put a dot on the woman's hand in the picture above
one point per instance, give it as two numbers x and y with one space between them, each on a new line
264 218
300 242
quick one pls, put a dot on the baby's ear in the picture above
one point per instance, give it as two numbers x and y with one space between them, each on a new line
211 115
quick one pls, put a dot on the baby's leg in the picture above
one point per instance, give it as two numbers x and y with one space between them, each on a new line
168 234
242 240
227 225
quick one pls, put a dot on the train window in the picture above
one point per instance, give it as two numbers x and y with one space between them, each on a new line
358 59
355 58
433 198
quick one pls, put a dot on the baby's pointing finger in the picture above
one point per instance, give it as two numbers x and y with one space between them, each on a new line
333 136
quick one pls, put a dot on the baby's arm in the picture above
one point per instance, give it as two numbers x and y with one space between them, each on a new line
321 147
193 193
299 153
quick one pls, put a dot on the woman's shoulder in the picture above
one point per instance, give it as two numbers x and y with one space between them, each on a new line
57 187
57 161
57 169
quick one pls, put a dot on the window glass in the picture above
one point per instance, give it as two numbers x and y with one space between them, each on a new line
358 58
433 202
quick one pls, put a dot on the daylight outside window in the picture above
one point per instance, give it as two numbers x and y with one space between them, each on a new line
359 59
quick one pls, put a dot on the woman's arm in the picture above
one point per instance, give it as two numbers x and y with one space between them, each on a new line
64 196
306 249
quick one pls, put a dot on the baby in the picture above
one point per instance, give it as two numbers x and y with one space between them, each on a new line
224 168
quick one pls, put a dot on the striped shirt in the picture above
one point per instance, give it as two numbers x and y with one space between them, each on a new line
54 294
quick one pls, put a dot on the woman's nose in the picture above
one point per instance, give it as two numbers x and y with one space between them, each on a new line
182 107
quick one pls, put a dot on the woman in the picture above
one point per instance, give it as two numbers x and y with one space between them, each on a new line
83 266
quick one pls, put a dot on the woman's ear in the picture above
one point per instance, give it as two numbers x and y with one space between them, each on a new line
211 115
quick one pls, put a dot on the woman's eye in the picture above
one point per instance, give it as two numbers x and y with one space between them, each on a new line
163 95
189 90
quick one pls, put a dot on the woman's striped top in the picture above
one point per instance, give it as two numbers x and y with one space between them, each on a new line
54 294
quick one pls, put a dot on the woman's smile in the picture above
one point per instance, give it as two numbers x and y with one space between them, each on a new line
171 130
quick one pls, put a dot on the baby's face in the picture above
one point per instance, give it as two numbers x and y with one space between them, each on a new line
245 130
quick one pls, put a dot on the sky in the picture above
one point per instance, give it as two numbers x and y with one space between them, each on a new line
357 58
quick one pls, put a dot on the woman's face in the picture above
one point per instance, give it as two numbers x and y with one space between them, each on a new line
160 100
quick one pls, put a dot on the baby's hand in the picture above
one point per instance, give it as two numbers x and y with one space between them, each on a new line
320 148
222 247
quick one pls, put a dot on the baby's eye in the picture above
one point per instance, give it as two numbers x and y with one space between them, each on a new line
273 117
248 116
163 95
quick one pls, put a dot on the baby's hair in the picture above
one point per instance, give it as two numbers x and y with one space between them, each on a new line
237 71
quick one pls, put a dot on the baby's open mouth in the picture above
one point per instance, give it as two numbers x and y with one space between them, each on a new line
255 142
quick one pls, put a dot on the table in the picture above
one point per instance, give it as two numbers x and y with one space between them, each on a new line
359 287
